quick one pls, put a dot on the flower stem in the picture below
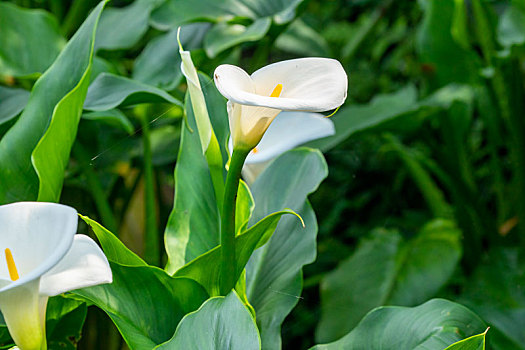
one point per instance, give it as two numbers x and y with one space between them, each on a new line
228 261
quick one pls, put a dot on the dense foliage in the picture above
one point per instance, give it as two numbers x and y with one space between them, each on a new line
414 212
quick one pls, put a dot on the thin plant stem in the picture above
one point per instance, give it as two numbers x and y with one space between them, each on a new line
228 259
151 234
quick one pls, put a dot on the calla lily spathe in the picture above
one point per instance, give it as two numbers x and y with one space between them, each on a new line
304 84
42 258
288 130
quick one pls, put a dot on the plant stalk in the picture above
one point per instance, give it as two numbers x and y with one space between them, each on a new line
228 259
151 234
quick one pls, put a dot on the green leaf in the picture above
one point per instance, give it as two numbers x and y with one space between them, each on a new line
12 102
356 118
57 92
206 268
511 28
432 194
476 342
274 272
384 270
224 35
244 207
432 326
109 91
51 154
121 28
145 303
502 303
159 63
113 117
30 40
302 40
398 111
65 319
165 142
444 58
114 249
193 225
220 323
176 12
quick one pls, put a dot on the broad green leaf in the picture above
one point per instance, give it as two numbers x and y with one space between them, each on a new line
511 28
274 272
433 325
51 154
30 40
121 28
494 292
65 319
445 60
57 91
176 12
398 111
193 225
302 40
109 91
386 270
145 303
206 268
159 63
12 102
353 119
224 35
114 249
476 342
220 323
112 117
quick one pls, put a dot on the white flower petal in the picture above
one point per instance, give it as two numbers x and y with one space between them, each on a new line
309 84
38 235
84 265
24 310
230 80
289 130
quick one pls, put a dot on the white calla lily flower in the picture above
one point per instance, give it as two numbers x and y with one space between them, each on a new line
287 131
42 257
304 84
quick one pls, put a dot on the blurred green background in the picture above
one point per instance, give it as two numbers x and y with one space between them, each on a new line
426 191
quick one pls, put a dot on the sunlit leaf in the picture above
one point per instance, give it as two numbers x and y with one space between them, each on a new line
58 92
